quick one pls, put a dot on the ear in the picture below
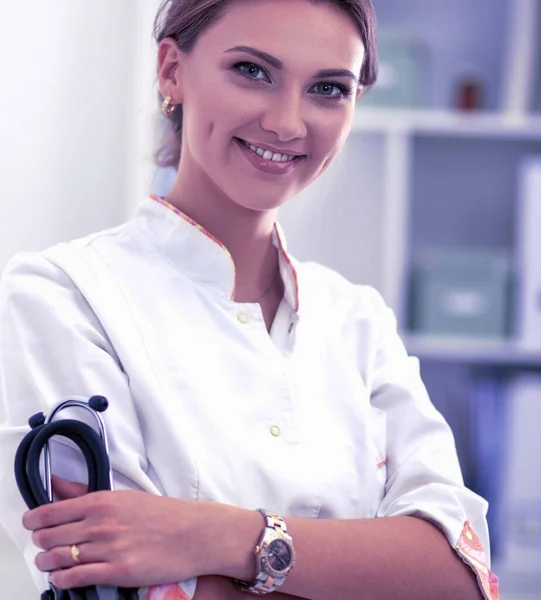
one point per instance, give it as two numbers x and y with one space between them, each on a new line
170 63
360 92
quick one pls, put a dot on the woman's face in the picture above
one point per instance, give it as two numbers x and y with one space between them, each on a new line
279 75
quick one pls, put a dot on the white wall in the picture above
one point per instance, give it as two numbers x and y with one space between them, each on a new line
75 135
74 117
141 146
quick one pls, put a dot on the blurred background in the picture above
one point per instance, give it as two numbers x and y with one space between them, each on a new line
435 201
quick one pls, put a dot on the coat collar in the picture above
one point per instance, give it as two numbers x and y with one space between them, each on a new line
199 255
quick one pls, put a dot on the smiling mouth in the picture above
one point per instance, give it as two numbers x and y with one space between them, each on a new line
268 155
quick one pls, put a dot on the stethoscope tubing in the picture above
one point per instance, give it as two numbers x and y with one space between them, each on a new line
36 492
27 459
95 406
92 444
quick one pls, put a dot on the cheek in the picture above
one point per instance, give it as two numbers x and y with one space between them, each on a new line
204 128
210 103
333 133
329 139
223 104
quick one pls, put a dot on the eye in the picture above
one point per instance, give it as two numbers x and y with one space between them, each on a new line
252 71
332 90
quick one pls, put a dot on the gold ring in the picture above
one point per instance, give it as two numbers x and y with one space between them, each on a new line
76 554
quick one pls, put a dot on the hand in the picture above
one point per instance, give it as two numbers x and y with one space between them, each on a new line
125 538
64 489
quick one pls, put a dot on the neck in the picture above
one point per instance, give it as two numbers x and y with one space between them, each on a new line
246 233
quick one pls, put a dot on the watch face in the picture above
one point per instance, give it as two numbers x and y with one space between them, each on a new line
279 555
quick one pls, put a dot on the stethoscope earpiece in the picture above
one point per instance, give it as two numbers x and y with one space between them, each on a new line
98 403
36 420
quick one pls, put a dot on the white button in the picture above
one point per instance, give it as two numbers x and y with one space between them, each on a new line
275 430
243 317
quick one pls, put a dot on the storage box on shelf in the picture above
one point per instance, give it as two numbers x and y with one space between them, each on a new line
449 179
461 291
404 63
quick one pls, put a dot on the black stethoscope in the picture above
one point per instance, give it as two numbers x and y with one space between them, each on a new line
93 446
95 450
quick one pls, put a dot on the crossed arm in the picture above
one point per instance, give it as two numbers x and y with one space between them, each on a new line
409 558
136 539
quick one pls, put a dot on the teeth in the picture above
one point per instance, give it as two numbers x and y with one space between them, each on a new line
268 155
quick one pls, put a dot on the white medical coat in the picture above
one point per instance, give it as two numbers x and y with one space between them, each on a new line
326 417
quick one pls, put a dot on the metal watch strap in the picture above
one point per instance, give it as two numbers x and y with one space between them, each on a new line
273 520
263 584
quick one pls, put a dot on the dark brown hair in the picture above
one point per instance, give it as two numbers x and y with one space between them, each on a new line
184 20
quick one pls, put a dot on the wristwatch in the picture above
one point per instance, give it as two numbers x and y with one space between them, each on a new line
275 556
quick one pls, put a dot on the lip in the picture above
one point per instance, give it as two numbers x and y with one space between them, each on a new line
274 149
267 166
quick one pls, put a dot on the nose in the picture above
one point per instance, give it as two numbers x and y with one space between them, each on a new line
284 117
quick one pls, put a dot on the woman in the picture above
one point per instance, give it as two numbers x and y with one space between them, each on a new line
238 378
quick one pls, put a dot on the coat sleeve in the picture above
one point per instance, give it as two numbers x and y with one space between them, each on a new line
423 473
53 347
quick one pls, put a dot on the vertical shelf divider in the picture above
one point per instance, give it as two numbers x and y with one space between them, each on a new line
396 198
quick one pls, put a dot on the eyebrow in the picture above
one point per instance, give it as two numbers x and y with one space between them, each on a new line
277 64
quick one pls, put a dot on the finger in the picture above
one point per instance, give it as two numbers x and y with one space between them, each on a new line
98 573
62 557
62 535
56 513
65 489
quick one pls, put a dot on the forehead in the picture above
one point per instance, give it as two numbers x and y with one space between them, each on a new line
290 30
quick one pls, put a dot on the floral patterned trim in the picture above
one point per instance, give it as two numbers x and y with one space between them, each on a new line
470 549
281 244
189 220
292 269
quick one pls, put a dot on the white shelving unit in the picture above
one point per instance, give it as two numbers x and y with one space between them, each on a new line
411 179
447 123
399 130
472 351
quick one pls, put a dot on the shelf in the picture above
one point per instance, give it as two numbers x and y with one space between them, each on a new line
449 123
457 349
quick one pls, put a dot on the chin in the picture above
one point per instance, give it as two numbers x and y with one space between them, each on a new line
260 205
259 202
264 203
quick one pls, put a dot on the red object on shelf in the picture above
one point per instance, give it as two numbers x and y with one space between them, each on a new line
470 95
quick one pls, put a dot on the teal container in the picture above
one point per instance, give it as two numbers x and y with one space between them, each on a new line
403 73
463 292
